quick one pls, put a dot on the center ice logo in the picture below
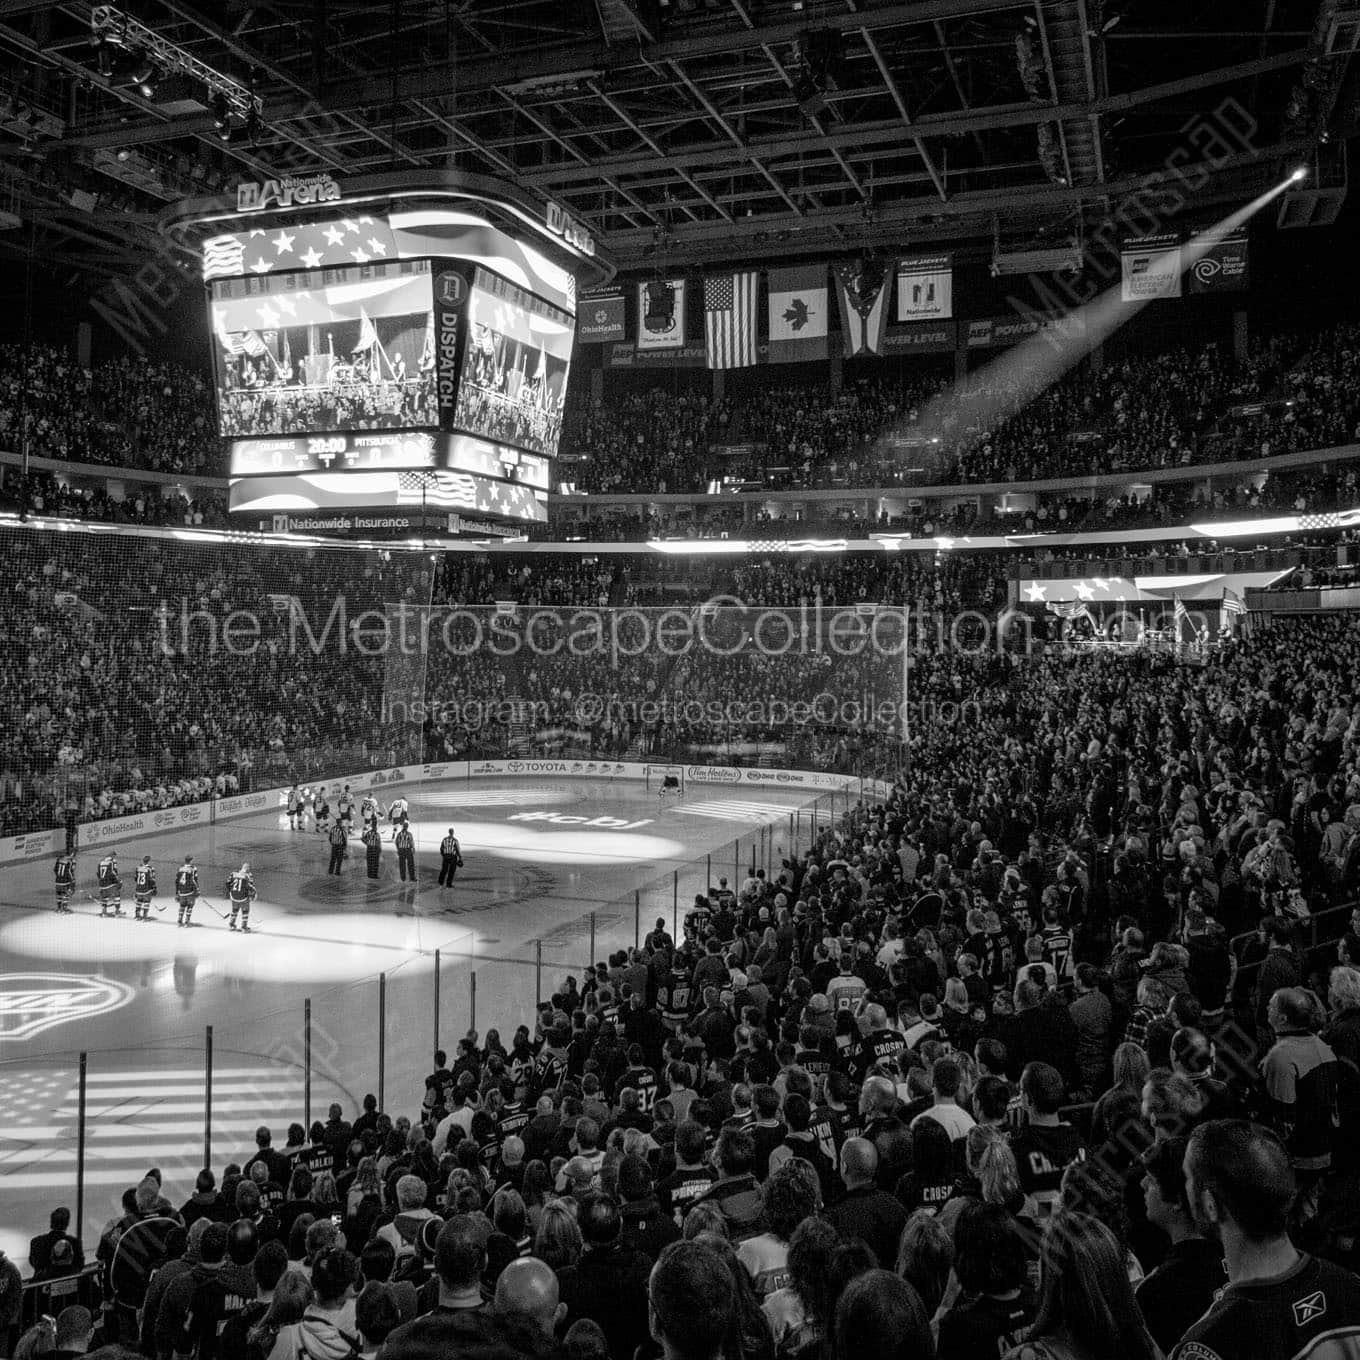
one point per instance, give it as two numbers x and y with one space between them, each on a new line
565 819
32 1003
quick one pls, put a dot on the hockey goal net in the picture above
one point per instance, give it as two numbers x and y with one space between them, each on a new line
665 778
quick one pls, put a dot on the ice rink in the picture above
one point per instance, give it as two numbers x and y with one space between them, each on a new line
138 998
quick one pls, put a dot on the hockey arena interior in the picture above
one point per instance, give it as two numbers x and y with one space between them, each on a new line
679 680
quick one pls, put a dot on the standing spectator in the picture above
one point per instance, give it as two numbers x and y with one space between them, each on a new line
693 1303
609 1283
996 1304
1179 1291
1279 1300
865 1211
880 1317
1086 1306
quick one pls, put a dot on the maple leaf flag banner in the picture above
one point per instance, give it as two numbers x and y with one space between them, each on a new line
730 319
797 312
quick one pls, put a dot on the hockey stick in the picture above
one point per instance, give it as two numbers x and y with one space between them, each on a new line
210 907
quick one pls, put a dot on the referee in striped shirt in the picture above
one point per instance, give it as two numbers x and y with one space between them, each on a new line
450 859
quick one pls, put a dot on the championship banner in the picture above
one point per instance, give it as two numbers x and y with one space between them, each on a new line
600 320
925 288
657 330
797 313
862 289
1151 268
1224 267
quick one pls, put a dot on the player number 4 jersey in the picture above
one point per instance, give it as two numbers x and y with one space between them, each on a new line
186 879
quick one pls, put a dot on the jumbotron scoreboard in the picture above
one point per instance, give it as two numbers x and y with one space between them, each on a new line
390 354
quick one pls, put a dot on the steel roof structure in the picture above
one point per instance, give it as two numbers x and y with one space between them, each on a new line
679 131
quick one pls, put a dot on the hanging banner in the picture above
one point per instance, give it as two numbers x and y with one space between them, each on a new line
600 320
1223 268
925 288
862 289
1151 268
628 355
797 313
923 337
661 314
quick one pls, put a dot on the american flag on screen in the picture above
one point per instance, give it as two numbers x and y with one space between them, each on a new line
730 319
1330 519
223 257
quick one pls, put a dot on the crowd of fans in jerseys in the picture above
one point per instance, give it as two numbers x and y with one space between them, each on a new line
1043 1056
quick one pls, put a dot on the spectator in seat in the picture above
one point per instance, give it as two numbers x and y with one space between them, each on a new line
692 1303
880 1317
403 1233
788 1197
996 1305
327 1328
608 1283
205 1202
1086 1305
798 1313
735 1194
1240 1185
41 1249
75 1327
1179 1291
866 1212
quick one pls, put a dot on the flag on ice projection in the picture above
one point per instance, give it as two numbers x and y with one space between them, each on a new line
797 314
862 288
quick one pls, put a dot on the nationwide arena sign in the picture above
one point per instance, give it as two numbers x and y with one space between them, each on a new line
289 192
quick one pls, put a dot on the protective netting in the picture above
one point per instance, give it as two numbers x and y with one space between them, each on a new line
145 669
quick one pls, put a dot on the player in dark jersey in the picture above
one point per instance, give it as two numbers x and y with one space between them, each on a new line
64 876
110 886
143 888
241 893
186 889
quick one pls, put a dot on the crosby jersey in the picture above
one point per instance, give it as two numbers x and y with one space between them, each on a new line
186 879
144 880
241 886
108 872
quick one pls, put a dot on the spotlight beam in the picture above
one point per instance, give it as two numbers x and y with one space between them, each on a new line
1037 363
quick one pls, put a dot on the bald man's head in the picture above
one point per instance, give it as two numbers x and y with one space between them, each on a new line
859 1162
877 1097
528 1286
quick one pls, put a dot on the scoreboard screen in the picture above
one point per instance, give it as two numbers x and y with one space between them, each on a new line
325 350
516 358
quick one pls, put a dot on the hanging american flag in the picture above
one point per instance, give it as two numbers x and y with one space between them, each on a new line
1232 603
730 319
1330 519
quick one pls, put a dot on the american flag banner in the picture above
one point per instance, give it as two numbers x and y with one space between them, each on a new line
1232 603
304 245
730 319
